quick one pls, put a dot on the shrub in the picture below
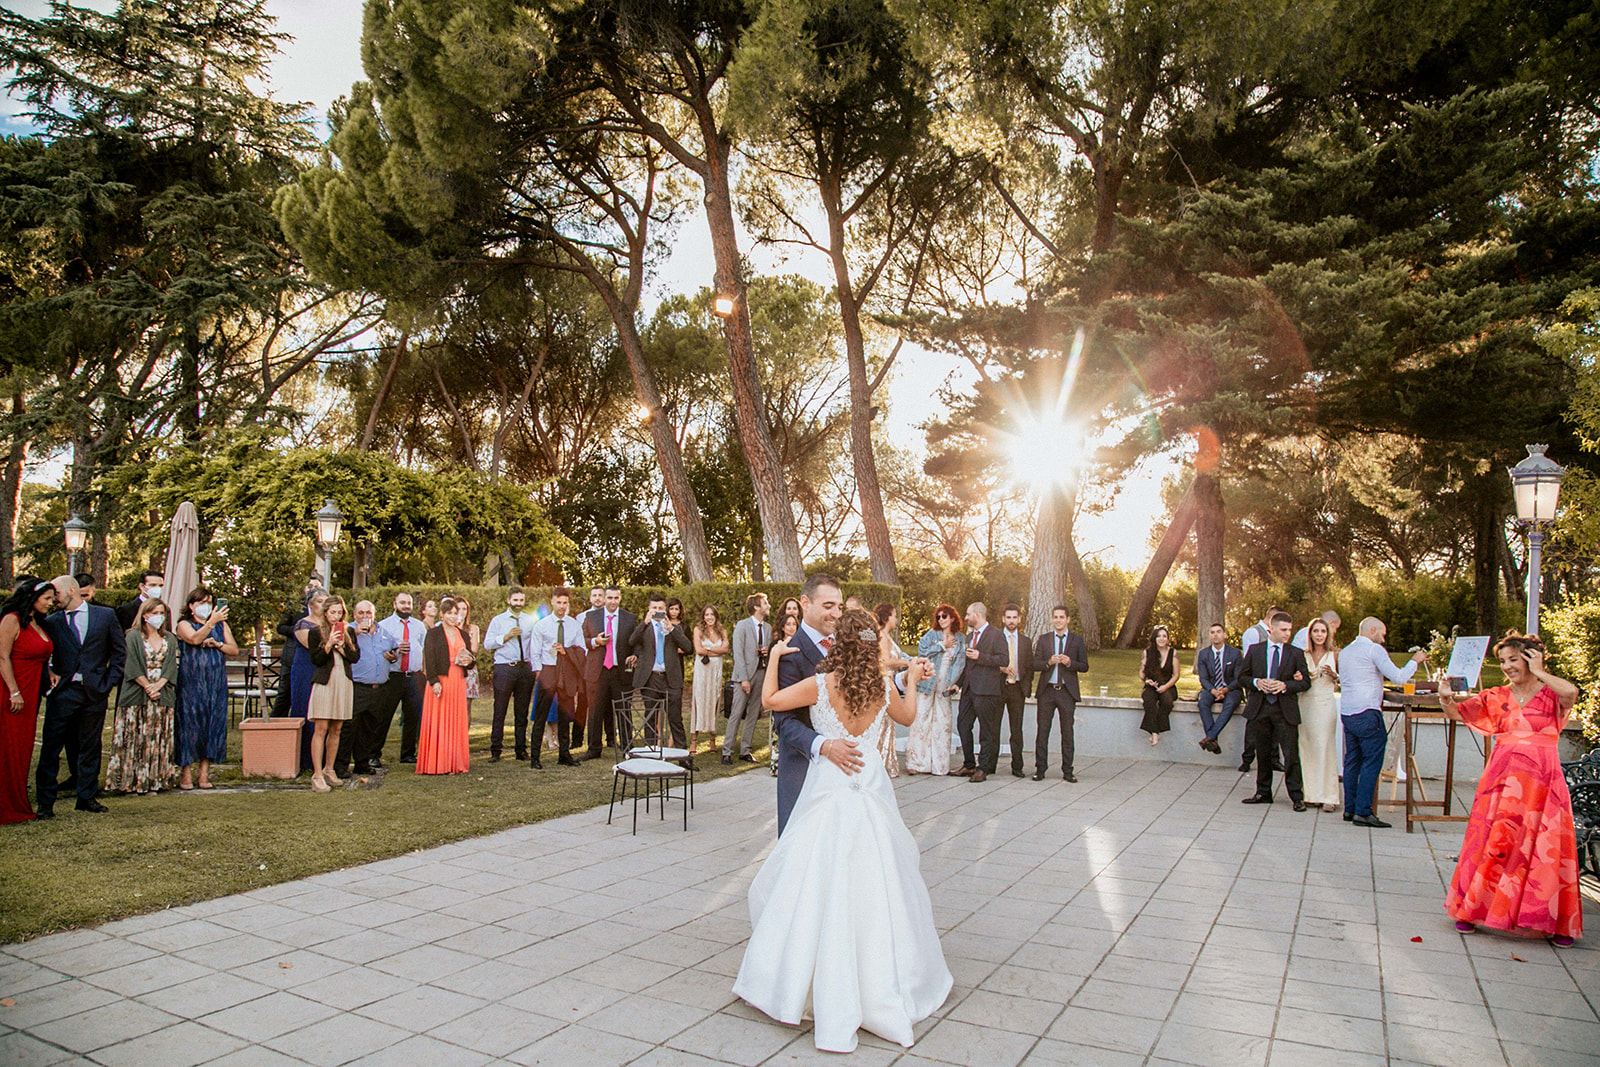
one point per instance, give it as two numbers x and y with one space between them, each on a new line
1573 634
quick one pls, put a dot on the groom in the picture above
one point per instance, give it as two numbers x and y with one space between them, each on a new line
821 604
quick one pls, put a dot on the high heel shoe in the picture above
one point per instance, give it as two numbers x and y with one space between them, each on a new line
332 779
319 786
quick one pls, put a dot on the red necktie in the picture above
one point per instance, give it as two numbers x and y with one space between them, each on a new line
405 646
826 644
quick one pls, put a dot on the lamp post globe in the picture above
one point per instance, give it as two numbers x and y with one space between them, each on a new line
329 521
1536 487
76 534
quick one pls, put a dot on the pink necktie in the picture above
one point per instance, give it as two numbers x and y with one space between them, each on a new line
611 646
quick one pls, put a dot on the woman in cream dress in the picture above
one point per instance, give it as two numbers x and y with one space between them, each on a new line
1319 720
928 738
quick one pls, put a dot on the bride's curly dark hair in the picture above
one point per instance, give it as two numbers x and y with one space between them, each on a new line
854 659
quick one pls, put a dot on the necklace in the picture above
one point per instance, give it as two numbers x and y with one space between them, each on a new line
1526 694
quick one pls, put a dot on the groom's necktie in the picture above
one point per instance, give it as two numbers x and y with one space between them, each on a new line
826 644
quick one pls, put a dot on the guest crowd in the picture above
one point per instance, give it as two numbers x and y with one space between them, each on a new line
573 683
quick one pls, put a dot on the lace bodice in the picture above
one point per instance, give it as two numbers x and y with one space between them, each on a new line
825 721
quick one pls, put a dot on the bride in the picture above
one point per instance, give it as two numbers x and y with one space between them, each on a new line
841 926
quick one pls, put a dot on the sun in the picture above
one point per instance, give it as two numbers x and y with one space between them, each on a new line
1045 453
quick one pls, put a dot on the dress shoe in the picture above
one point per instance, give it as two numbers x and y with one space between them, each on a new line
568 761
1371 820
494 757
1016 772
727 761
45 813
92 805
747 758
536 765
978 776
1257 799
1038 776
1349 817
1277 766
408 762
1070 777
1244 768
1299 805
965 772
522 757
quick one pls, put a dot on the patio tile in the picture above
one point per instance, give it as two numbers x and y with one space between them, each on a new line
184 1044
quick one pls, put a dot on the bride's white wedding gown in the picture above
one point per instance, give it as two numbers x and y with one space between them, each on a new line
841 926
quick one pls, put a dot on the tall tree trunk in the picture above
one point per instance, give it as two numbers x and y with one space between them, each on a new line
874 523
1144 597
1488 526
674 475
1056 566
384 387
1047 578
11 492
1209 522
1088 617
1509 569
749 409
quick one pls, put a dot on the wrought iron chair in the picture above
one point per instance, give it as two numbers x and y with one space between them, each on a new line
1583 782
638 769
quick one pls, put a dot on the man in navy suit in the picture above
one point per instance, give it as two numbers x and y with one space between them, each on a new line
1217 669
981 695
1060 656
821 604
88 659
1275 674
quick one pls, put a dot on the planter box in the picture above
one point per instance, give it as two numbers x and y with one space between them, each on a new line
271 747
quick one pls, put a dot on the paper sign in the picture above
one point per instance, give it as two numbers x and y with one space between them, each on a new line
1466 659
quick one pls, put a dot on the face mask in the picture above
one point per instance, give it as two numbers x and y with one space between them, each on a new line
155 594
156 621
202 612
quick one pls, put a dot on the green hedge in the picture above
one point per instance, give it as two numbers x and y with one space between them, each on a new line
1573 633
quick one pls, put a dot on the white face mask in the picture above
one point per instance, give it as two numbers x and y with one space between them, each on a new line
154 593
202 612
156 621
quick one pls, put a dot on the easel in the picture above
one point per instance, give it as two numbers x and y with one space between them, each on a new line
1415 709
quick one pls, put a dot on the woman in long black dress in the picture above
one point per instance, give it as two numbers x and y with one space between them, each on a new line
1160 674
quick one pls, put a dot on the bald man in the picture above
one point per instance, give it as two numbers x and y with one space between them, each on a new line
88 658
981 695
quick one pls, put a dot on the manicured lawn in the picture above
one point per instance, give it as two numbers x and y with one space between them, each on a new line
157 851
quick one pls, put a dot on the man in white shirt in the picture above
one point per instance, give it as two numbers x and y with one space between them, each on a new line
408 633
513 674
552 640
1363 665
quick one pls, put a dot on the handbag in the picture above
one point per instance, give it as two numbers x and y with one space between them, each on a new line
727 699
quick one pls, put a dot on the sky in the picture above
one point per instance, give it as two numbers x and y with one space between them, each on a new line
323 58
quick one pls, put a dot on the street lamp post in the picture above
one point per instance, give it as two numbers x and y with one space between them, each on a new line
76 532
329 519
1536 484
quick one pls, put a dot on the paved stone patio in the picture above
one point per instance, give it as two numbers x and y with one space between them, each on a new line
1142 916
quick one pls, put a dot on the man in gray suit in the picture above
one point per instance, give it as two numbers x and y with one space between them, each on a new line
750 639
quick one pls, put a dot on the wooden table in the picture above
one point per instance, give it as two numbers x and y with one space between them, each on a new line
1419 708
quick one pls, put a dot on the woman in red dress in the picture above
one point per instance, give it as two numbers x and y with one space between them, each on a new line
24 654
447 656
1519 860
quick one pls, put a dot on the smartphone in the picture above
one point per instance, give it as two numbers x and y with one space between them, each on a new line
338 627
222 605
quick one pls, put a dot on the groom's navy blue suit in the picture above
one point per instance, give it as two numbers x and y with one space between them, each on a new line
795 735
75 711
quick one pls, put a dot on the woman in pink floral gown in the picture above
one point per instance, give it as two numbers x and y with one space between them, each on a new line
1519 861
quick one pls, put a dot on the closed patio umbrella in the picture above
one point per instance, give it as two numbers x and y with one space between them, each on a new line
182 547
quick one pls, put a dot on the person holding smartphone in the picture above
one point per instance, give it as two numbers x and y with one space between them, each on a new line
333 692
202 684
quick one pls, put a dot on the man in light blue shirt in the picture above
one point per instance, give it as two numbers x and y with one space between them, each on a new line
551 640
408 633
507 638
377 695
1363 665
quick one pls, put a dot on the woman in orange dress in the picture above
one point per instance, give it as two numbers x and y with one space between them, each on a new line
24 654
1519 861
447 656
